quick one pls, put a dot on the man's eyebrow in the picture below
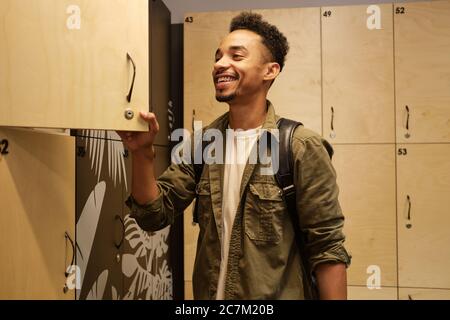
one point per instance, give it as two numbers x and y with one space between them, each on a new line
236 48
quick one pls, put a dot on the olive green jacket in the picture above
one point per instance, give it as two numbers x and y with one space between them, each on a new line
264 260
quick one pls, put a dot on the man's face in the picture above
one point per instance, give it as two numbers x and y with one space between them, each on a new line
240 66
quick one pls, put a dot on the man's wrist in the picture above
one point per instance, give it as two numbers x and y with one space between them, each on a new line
147 154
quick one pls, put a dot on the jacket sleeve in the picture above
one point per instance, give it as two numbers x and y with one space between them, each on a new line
176 191
320 217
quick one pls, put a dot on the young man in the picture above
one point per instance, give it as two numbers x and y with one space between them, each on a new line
246 247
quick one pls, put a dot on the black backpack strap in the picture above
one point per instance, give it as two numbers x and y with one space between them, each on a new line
198 169
285 180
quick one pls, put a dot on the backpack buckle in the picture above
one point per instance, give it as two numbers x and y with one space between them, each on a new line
289 189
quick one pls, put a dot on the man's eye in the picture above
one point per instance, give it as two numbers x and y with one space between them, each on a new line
237 56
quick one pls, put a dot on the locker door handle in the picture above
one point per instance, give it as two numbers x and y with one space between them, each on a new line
72 244
118 245
130 92
407 134
408 217
332 133
171 118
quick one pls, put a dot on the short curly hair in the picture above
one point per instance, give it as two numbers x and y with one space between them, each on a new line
272 38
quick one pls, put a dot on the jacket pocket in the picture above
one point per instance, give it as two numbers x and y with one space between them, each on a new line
263 213
204 207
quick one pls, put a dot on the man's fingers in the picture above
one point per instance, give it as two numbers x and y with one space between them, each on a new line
150 118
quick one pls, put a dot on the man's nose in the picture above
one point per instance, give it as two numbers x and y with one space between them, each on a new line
222 63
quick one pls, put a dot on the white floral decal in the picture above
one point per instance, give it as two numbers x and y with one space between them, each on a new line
96 140
149 281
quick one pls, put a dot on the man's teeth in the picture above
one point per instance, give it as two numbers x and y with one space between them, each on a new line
225 79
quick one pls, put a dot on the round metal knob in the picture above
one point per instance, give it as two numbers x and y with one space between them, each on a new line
129 114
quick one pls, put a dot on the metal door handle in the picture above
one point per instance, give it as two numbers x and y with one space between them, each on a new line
130 92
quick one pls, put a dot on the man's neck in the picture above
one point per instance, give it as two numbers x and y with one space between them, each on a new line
247 116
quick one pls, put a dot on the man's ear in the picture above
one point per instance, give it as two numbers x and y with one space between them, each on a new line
272 71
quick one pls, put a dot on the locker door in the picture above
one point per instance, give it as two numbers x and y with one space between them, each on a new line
296 93
65 65
358 74
423 216
422 71
37 208
423 294
366 178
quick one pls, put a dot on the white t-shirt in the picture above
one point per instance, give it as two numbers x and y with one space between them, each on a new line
239 144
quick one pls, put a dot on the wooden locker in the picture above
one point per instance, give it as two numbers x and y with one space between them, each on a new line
423 181
358 74
366 178
65 65
423 294
422 71
295 94
364 293
37 197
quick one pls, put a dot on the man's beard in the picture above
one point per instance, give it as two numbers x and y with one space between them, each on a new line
227 98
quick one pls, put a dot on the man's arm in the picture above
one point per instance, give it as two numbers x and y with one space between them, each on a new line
143 187
332 281
320 216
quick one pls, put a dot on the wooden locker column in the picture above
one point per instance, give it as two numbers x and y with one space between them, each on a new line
202 35
423 181
366 177
295 94
422 71
358 74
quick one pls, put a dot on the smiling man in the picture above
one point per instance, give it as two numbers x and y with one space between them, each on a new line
247 246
